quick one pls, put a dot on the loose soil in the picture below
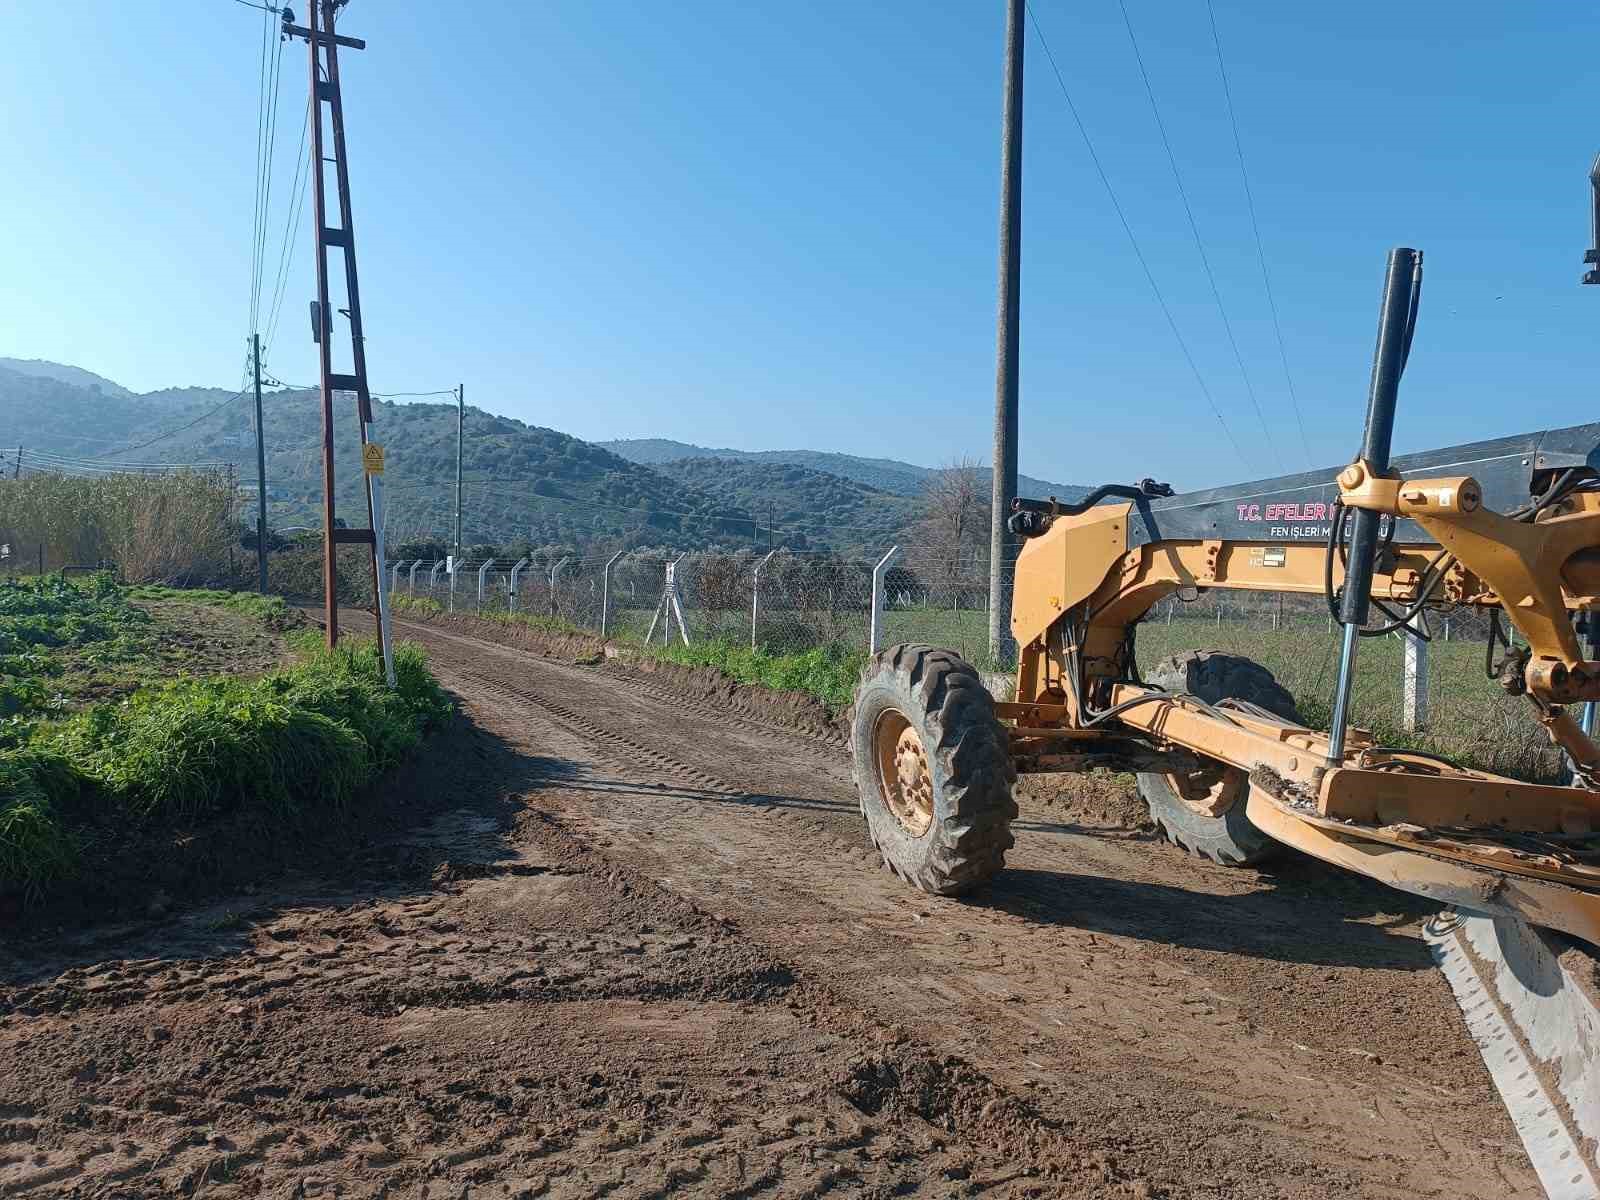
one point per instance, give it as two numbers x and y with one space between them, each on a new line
624 939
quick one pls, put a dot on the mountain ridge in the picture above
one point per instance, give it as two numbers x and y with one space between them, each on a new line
884 474
523 482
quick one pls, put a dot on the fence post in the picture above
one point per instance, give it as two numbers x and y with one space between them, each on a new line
516 571
605 594
875 628
755 598
555 570
453 569
1415 715
433 577
672 598
411 579
394 578
482 571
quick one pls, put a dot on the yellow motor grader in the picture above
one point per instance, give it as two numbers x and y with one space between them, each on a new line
1510 526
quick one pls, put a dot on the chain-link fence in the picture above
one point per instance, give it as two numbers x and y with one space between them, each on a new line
789 602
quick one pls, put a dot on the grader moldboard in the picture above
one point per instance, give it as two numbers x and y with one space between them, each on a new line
1227 768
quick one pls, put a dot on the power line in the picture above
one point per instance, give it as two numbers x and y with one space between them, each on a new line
297 200
267 173
161 437
1261 253
1133 241
261 130
89 463
1194 228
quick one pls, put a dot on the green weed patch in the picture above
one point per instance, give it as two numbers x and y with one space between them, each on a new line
271 611
299 741
829 672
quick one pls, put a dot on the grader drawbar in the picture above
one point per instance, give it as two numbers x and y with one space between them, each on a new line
1229 771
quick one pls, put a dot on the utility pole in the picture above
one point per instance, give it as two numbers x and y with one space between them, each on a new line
261 472
324 44
461 427
1002 647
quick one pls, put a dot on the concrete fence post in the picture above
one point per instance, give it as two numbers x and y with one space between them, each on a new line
755 598
433 577
555 570
676 608
605 594
394 578
411 579
516 573
875 627
1415 699
482 571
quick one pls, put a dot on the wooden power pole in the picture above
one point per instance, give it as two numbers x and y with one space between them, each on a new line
324 45
461 432
1004 464
261 472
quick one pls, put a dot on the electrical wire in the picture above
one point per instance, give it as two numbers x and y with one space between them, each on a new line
297 197
262 75
1133 241
1255 228
1194 228
161 437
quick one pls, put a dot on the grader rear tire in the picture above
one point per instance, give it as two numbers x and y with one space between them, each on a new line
933 769
1205 814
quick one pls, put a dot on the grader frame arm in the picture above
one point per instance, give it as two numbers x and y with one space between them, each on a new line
1511 526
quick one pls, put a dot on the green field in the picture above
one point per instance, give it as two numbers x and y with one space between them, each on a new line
129 718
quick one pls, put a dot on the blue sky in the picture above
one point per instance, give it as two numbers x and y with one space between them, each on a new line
765 225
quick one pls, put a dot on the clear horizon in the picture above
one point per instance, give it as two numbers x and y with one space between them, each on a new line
738 228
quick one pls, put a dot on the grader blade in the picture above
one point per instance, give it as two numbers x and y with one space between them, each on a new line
1458 874
1530 1001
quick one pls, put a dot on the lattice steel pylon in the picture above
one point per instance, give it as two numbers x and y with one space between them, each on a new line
324 45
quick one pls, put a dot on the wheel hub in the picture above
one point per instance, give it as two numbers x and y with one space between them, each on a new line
1212 792
904 775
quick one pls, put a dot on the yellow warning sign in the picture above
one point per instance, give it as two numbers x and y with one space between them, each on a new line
372 458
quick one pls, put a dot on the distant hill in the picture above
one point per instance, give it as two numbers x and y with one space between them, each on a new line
76 376
823 508
523 482
884 474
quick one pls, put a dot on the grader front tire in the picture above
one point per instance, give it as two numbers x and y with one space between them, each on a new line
1205 814
933 769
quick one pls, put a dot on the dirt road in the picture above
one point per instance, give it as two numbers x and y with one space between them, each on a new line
633 944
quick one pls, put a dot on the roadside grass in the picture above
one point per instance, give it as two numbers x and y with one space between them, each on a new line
425 607
827 672
80 780
301 740
272 611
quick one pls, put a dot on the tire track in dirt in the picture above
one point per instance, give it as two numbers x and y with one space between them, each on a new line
529 1017
1153 1047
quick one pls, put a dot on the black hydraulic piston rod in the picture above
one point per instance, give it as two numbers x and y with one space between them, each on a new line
1402 289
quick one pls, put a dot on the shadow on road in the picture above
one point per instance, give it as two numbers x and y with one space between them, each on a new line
1315 916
